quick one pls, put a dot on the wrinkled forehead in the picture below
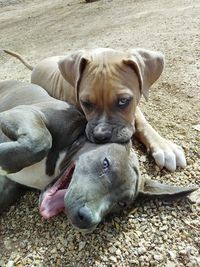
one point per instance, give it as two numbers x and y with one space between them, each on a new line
102 55
108 74
105 149
107 67
117 154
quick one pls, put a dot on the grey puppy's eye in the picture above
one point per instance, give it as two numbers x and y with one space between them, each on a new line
106 164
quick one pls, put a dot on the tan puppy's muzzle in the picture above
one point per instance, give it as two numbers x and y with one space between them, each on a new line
109 132
102 133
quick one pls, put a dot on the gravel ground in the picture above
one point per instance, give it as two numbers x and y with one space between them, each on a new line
153 232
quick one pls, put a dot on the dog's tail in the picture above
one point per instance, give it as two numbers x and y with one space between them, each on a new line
18 56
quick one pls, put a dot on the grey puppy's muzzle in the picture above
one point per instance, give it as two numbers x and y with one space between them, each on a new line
82 218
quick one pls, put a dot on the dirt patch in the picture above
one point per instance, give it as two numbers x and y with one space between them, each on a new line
155 234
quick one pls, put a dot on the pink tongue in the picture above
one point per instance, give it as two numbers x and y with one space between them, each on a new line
53 199
52 204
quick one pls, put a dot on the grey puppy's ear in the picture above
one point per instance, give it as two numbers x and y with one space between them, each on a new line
72 67
148 66
155 188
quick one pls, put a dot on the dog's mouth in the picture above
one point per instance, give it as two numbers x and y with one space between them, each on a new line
52 202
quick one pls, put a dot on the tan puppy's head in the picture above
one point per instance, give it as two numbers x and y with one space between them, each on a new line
108 86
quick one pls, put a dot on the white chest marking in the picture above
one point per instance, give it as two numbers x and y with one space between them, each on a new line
33 176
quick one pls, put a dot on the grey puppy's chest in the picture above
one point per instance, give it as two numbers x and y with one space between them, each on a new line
35 176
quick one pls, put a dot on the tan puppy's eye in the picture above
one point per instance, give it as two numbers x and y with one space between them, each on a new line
87 105
124 102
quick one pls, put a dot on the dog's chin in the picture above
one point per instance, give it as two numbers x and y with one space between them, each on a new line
85 231
120 134
120 139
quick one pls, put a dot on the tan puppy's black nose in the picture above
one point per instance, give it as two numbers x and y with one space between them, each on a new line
102 134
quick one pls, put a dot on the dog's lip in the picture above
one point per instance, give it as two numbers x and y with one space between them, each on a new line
52 202
83 230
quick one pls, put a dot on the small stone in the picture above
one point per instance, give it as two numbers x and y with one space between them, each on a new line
70 246
17 259
62 249
81 245
118 252
54 251
164 228
22 245
141 250
157 168
8 244
196 127
158 257
112 250
195 197
10 264
104 258
165 237
112 258
59 246
172 254
174 213
143 158
170 264
183 252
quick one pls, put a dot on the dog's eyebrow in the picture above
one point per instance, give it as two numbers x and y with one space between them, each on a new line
124 95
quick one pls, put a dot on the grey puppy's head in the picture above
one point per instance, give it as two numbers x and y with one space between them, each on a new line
104 178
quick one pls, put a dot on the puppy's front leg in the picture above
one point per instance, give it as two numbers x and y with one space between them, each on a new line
24 139
166 153
10 191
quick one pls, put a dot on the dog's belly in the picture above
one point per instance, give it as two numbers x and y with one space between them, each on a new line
33 176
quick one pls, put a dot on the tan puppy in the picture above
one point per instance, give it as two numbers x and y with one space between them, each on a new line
107 84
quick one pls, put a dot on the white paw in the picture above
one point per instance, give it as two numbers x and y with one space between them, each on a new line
168 155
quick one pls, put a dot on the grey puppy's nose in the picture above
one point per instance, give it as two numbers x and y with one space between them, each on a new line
102 134
84 218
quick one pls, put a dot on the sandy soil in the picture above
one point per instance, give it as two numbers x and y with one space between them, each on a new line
154 234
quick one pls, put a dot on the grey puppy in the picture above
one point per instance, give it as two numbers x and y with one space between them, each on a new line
105 179
42 140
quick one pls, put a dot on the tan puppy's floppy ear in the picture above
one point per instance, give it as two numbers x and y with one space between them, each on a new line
155 188
72 67
148 66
